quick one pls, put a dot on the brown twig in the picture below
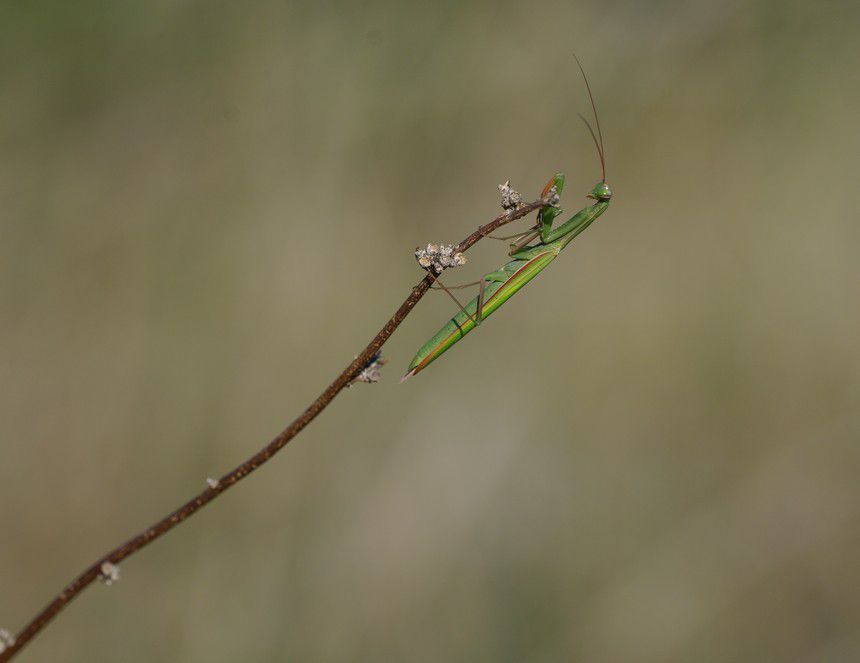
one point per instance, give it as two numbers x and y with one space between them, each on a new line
233 477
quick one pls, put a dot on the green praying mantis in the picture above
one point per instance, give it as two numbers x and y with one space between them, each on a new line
497 287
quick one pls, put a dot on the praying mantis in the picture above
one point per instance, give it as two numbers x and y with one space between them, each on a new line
495 288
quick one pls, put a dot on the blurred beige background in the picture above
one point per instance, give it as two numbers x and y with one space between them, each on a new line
208 208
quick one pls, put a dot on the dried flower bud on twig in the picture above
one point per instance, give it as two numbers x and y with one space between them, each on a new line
439 257
372 372
554 198
109 573
511 198
6 639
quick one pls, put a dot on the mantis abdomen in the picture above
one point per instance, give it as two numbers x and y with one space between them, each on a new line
519 271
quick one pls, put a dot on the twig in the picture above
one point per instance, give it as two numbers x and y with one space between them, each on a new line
150 534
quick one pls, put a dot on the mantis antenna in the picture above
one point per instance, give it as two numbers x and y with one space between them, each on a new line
599 151
596 120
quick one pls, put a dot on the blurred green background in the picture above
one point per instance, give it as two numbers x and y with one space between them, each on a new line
208 208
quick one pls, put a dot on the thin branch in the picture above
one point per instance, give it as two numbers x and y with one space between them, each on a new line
233 477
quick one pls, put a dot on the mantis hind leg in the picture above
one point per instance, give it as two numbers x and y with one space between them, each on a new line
500 275
441 286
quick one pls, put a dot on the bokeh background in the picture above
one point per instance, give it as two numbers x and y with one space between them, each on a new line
651 454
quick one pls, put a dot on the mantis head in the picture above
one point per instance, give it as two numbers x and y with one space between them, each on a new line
601 191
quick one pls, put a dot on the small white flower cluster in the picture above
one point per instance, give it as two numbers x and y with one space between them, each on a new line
372 372
511 198
439 257
109 573
6 639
